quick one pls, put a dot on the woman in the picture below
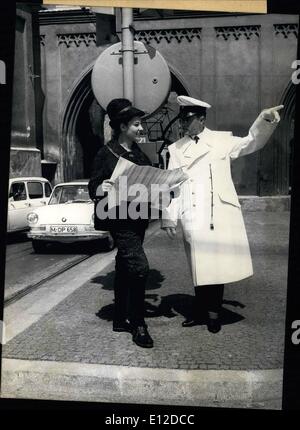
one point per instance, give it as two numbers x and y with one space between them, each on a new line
131 262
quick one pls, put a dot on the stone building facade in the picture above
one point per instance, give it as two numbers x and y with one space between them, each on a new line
240 64
26 138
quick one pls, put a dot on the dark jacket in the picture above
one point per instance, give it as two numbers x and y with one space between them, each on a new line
103 167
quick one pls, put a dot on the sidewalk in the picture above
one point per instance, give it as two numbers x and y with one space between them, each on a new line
69 351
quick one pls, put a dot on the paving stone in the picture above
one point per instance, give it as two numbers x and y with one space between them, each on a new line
252 336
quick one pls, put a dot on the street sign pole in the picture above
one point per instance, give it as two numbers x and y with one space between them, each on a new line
128 54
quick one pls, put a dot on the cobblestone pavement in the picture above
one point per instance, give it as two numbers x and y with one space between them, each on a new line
79 329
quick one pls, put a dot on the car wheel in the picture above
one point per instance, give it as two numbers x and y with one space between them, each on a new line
39 246
104 245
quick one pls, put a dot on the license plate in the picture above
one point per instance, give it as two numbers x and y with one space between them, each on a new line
63 229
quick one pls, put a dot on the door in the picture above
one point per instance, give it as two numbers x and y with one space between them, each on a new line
47 191
36 193
18 206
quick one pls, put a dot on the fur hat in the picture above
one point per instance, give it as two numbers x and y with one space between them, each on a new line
121 110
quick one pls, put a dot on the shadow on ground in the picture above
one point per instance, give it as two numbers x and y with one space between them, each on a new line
16 237
173 305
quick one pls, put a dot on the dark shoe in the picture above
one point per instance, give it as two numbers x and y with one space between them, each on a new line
122 326
214 325
189 322
141 337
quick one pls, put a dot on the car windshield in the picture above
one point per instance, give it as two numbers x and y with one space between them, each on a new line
70 194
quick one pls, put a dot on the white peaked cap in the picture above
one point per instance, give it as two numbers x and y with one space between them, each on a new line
190 101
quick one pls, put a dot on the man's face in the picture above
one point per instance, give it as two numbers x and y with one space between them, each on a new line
193 124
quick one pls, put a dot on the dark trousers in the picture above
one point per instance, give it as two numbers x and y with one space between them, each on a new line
132 270
208 298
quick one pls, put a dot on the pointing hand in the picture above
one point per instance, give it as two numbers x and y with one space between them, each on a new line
272 114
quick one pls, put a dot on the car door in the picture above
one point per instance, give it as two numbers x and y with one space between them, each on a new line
47 191
36 194
18 206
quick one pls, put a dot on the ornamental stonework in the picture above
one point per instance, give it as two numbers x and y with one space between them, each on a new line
77 39
42 39
178 35
247 32
286 30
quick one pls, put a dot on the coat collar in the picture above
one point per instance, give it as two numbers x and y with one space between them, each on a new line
191 149
136 155
117 148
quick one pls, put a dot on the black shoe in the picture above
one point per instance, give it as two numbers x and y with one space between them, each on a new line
214 325
190 322
122 326
141 337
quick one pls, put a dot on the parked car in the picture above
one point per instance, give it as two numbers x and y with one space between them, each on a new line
24 195
68 217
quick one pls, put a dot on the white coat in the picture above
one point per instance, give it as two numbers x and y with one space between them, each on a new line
215 238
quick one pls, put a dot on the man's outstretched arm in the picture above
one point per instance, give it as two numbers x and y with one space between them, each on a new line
259 133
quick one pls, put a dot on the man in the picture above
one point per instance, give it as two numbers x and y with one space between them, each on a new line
215 238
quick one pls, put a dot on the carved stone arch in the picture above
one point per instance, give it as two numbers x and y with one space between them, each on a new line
276 158
82 127
80 141
73 104
181 82
284 140
288 99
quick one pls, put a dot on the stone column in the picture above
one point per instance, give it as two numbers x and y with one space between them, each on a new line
52 109
25 157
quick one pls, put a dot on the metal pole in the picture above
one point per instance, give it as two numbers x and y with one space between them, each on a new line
128 54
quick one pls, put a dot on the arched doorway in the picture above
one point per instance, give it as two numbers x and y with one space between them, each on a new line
285 141
274 173
83 127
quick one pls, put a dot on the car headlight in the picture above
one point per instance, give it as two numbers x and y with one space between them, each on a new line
93 219
32 217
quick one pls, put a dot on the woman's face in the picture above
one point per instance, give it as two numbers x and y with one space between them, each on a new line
133 129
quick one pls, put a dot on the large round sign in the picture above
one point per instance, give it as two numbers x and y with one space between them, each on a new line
152 78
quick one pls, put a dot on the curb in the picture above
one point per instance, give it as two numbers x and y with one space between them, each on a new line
261 389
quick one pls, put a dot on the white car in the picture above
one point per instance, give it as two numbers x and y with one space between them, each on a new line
68 217
24 195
